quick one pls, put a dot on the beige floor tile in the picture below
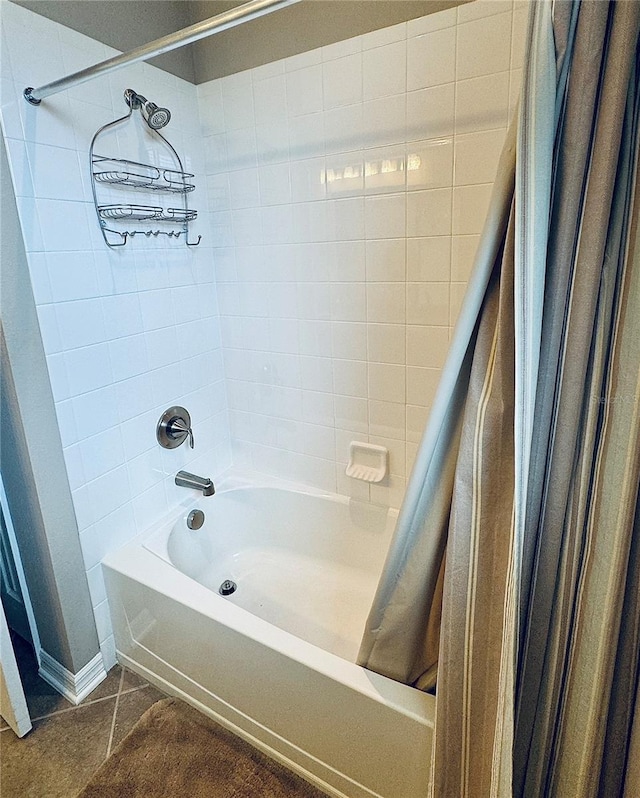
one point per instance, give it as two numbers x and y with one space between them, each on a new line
59 755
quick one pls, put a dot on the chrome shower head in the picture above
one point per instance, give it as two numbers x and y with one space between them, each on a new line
155 117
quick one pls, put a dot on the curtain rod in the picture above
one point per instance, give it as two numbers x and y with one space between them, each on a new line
228 19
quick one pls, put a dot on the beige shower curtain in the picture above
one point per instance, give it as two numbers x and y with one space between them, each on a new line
526 482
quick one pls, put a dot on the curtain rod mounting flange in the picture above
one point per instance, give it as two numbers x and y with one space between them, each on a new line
29 96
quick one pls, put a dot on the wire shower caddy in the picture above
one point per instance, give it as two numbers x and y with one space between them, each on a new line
121 173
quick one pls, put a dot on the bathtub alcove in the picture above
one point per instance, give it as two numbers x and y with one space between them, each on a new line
274 661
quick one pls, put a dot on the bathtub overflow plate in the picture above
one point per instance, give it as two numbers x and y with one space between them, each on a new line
227 588
195 519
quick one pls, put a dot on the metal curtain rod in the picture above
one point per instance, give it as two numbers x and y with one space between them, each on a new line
228 19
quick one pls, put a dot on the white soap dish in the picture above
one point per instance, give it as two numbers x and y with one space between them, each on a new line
367 462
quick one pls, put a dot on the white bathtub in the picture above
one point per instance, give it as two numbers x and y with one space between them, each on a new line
274 661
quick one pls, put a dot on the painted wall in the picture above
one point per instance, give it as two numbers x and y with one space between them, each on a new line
128 332
348 186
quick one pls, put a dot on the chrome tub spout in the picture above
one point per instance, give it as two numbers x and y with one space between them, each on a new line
186 480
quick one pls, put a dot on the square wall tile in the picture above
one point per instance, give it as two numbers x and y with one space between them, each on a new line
342 81
243 188
422 384
304 90
88 368
429 164
470 205
275 184
269 99
80 323
350 378
385 216
96 411
397 456
210 108
102 453
463 252
431 59
385 170
384 70
430 112
427 346
482 103
388 420
318 408
429 213
519 35
428 303
344 174
348 302
484 46
351 413
386 343
428 259
343 128
308 180
316 373
387 382
417 417
384 121
386 303
346 261
385 260
345 219
237 100
477 156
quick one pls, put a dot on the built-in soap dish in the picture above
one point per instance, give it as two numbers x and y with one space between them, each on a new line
367 462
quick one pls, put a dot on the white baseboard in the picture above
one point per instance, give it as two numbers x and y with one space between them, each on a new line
75 687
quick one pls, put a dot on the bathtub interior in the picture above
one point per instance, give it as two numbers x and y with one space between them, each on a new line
305 562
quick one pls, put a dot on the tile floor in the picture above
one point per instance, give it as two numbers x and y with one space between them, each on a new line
67 744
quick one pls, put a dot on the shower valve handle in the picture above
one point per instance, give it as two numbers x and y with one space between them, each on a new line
178 425
174 428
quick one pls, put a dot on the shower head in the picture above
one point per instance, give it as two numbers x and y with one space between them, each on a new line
155 117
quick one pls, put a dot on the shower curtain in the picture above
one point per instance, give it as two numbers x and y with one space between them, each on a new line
516 551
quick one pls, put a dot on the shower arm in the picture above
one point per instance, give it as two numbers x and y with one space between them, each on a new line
193 33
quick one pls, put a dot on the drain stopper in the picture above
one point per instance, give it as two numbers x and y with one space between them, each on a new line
227 588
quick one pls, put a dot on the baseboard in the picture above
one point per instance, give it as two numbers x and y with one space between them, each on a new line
75 687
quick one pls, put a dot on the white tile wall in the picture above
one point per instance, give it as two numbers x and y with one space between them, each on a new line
127 332
353 233
341 194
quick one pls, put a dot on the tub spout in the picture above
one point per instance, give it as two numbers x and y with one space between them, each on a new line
186 480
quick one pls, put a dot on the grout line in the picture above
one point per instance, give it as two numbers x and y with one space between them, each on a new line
115 712
73 708
85 704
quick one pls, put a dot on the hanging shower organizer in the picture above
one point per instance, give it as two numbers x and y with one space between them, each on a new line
138 180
